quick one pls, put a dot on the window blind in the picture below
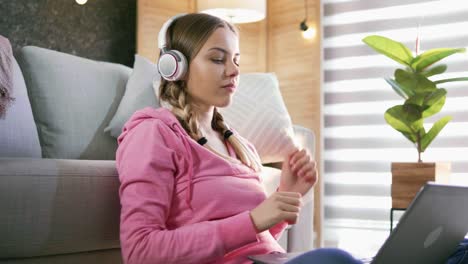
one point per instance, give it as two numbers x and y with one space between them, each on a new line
359 145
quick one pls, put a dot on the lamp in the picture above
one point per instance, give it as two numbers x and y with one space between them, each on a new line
81 2
308 32
234 11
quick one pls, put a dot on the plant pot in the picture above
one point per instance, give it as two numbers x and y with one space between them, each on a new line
409 177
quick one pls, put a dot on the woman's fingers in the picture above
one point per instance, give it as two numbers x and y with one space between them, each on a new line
292 198
290 218
299 159
291 157
296 156
300 163
288 194
280 206
307 169
289 208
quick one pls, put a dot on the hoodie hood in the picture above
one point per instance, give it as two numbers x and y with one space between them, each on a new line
161 113
166 116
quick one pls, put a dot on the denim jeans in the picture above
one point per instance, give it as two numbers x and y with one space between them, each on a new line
460 256
325 256
338 256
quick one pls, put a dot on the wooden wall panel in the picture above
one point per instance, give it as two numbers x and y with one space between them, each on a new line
253 46
151 15
297 61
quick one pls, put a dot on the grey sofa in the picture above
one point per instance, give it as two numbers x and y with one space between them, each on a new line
59 198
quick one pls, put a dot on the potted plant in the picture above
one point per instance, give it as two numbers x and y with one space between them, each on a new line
422 98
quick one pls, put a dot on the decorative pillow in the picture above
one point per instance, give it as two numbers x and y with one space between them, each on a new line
18 131
73 99
139 93
259 114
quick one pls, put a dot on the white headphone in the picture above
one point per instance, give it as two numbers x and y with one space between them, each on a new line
172 64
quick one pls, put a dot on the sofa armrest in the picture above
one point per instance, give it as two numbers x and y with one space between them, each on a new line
306 138
301 235
57 206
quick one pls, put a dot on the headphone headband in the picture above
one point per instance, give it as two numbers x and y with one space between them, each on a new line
162 44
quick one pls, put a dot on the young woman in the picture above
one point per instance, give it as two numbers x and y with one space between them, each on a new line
190 187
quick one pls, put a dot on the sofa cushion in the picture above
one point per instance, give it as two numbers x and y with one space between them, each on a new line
19 135
57 206
111 256
139 93
73 99
258 112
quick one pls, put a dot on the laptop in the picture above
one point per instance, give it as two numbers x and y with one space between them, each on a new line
433 225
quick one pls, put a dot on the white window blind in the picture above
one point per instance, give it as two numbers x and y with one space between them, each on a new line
359 144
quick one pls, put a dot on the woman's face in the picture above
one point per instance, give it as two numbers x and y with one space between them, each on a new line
214 71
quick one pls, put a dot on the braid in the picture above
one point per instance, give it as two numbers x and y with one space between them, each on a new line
175 94
246 155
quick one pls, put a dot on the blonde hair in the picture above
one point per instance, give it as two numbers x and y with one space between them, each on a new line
188 34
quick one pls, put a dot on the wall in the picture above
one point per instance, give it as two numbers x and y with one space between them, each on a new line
100 29
151 15
253 46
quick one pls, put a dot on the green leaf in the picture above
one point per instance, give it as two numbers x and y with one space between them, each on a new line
416 82
390 48
452 80
402 91
435 96
410 137
413 115
435 70
417 99
422 132
404 118
432 56
433 132
434 102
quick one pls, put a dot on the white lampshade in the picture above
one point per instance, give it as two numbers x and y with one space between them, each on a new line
234 11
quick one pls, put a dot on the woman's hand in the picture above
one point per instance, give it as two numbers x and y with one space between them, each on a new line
298 173
279 207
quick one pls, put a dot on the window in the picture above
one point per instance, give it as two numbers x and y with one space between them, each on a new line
359 144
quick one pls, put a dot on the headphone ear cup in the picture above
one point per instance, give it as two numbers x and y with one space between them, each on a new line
172 65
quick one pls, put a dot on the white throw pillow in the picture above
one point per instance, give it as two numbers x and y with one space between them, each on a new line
259 114
139 93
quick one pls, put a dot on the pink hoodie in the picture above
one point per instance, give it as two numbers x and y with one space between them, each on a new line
181 203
